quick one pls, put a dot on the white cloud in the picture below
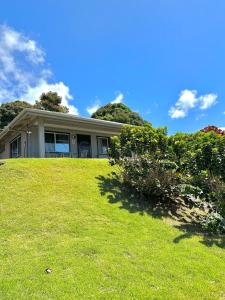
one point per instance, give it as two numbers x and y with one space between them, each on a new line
33 93
23 74
119 98
188 100
207 101
176 113
92 109
97 104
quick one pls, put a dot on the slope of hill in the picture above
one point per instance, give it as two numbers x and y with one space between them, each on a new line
70 216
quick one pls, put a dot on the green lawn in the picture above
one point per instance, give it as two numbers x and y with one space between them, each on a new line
68 215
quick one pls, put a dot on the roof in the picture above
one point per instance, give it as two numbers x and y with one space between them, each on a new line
31 112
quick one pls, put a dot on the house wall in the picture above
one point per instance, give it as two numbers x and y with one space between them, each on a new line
33 147
6 145
37 127
33 150
73 140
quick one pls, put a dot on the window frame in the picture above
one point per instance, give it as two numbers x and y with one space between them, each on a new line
58 133
19 153
98 146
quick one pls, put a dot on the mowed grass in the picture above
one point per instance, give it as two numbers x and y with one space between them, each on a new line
54 215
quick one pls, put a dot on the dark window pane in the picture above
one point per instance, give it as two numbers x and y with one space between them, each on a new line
19 146
103 146
49 142
49 138
62 138
15 148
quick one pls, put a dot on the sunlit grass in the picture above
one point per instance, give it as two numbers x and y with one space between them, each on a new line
53 215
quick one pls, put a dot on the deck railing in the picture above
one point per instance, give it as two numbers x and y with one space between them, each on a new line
60 154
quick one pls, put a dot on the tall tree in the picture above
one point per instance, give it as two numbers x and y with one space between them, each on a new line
51 101
9 110
119 112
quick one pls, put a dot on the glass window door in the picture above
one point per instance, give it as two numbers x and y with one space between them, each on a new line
15 147
84 145
57 142
103 145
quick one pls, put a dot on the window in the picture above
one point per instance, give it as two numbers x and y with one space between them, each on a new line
103 145
57 142
62 143
2 148
15 147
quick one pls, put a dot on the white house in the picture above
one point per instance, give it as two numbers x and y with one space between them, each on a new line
39 133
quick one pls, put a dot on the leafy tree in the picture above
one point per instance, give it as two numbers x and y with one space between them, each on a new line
119 112
51 101
48 101
9 110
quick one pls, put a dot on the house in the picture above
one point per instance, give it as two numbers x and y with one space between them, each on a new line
39 133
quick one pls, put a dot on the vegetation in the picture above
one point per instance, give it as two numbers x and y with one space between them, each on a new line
118 112
48 101
99 240
9 110
213 128
51 101
183 166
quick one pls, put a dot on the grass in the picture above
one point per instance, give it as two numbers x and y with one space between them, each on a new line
68 215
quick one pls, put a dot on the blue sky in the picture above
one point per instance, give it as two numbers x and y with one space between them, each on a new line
164 59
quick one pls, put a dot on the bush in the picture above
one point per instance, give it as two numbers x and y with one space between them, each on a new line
151 177
188 166
214 223
134 141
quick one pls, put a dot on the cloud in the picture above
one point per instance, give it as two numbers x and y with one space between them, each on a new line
188 100
119 98
207 101
92 109
97 104
43 87
23 71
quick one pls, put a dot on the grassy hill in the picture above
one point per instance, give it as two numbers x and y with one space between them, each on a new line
69 215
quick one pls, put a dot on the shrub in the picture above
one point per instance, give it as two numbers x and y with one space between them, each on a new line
214 223
187 166
152 177
141 140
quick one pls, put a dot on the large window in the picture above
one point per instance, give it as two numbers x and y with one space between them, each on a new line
57 142
103 145
15 147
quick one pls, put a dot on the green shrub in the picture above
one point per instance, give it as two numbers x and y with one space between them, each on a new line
191 166
139 140
214 223
151 177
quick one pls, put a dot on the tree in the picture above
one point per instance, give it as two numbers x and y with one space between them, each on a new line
213 128
51 101
118 112
9 110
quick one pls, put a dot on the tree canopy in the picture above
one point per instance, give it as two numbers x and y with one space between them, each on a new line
118 112
48 101
9 110
51 101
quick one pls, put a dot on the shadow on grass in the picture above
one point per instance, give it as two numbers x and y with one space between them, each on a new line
116 192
